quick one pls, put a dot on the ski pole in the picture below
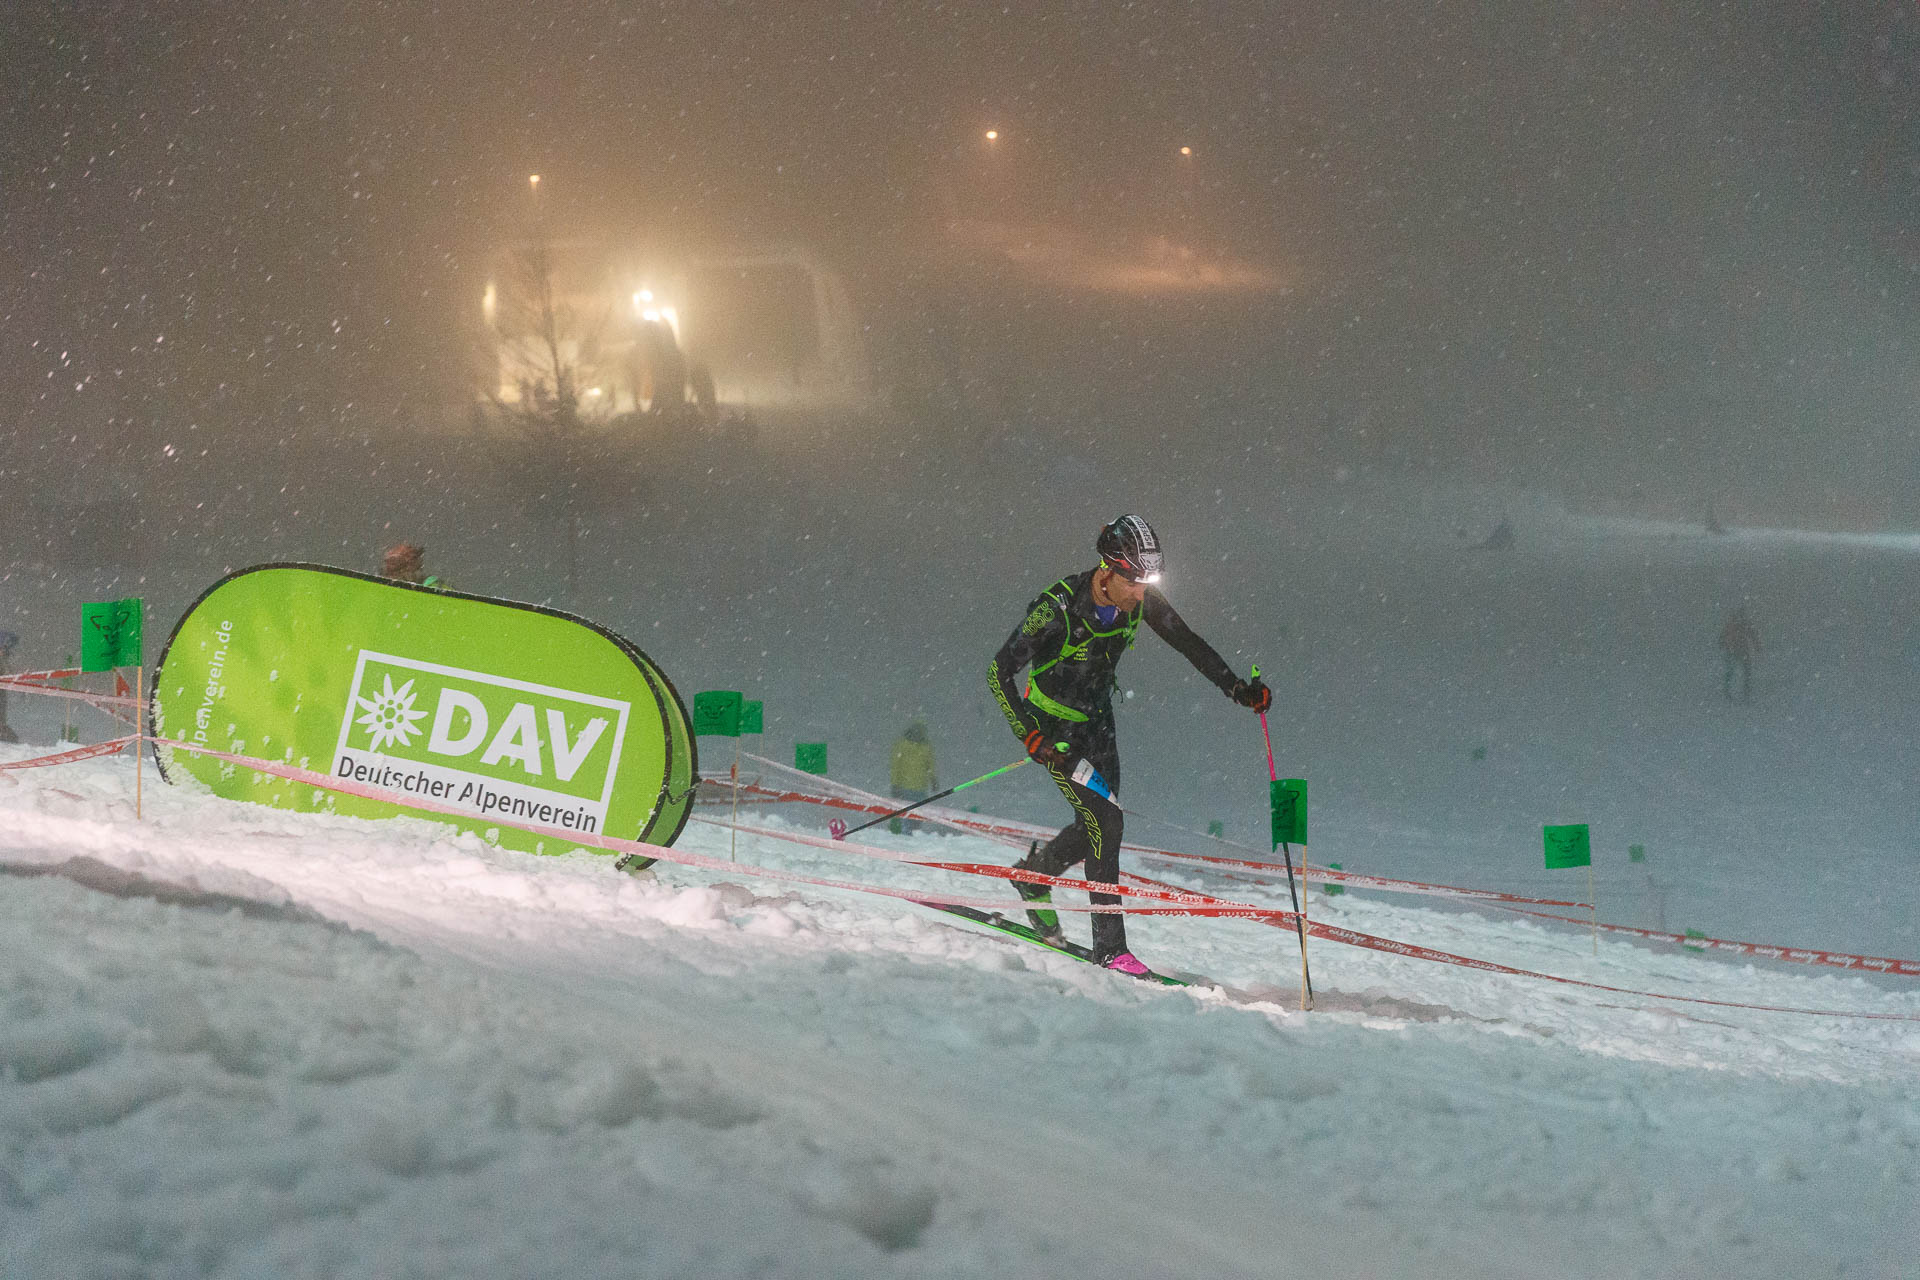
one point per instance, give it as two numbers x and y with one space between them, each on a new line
841 831
1299 923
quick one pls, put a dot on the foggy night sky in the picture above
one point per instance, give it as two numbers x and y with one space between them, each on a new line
1564 239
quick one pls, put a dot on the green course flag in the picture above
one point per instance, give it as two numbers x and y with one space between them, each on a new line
1334 888
508 714
717 712
110 634
751 717
1636 853
1568 846
810 757
1289 799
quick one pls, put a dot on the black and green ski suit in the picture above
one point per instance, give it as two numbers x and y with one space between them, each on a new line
1070 697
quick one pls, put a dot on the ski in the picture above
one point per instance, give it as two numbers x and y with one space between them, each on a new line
995 921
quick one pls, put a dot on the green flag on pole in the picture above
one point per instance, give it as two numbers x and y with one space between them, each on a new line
751 717
1568 846
810 757
717 712
110 634
1289 798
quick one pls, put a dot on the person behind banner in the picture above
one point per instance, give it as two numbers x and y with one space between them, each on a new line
1073 635
7 642
911 771
406 562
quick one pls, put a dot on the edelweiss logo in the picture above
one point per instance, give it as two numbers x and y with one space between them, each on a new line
390 715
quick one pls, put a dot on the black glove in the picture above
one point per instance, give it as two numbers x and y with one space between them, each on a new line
1046 752
1252 694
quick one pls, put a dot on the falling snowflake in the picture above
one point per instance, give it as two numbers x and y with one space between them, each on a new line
390 715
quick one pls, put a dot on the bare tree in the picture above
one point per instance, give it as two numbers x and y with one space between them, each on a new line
556 463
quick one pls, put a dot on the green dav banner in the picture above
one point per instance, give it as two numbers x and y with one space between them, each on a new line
507 712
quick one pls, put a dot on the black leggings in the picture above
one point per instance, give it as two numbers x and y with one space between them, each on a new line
1093 837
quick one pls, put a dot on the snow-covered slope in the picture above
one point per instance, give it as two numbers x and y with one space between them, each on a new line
293 1046
279 1046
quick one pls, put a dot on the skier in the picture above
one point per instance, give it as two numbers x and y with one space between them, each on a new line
1073 635
1739 642
911 769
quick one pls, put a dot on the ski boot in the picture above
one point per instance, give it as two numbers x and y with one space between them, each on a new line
1045 923
1126 962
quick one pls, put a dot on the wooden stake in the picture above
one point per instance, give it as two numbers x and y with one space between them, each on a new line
733 837
139 735
1593 906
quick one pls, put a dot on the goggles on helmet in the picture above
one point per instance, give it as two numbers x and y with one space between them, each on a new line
1132 572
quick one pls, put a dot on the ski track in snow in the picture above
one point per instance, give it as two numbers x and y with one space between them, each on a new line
241 1043
419 1055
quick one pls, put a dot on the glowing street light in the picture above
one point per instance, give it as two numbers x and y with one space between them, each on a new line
533 182
1186 151
993 135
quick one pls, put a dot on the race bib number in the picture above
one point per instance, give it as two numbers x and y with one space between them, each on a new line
1087 776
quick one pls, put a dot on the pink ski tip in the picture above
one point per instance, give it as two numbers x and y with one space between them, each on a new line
837 829
1126 963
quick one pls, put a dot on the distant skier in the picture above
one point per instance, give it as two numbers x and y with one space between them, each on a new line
1739 642
911 770
1073 636
7 641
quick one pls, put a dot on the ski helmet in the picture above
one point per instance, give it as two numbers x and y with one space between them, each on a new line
1129 548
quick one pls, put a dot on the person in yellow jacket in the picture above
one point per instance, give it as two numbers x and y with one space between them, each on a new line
911 771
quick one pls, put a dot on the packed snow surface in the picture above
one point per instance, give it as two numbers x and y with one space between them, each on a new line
238 1042
313 1046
